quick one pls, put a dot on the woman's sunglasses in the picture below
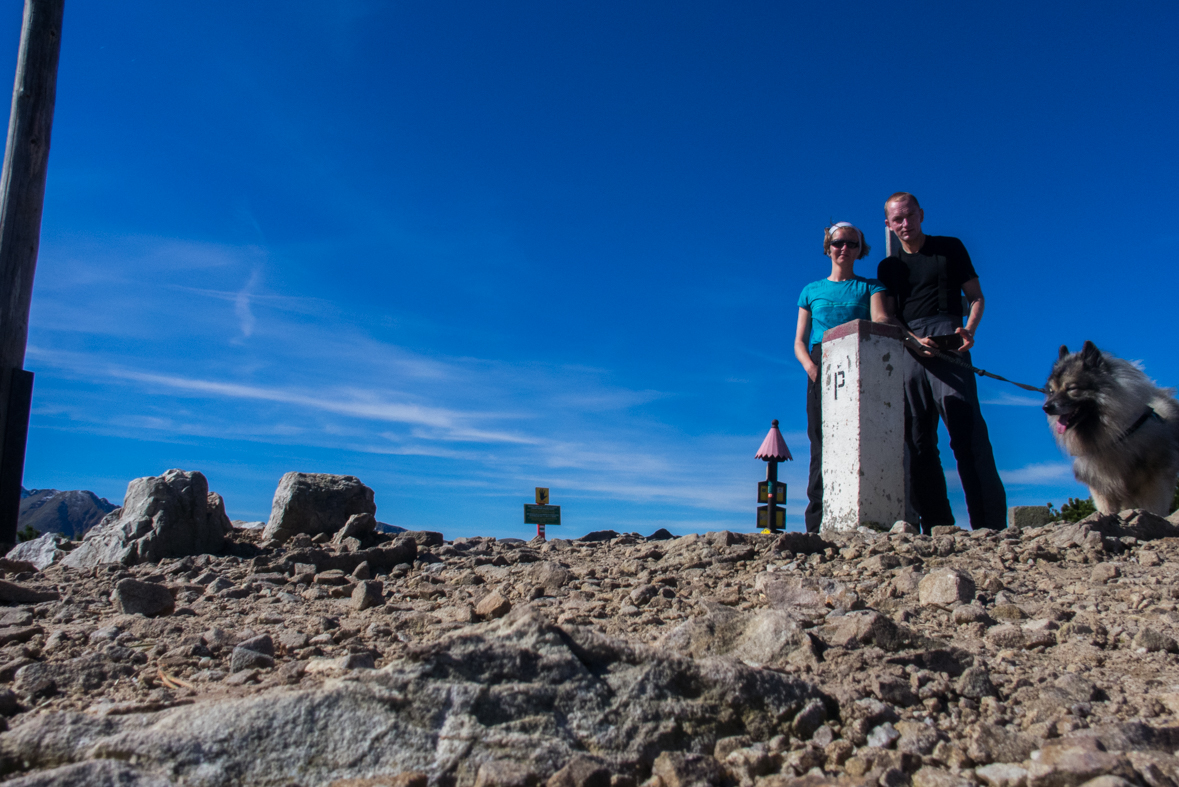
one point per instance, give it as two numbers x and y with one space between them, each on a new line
839 244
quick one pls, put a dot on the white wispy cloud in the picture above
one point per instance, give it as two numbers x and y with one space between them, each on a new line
177 371
241 304
1007 399
1043 473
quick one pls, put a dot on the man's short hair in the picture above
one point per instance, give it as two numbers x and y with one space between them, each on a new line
898 197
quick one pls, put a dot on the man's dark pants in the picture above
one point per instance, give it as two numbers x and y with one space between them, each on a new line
937 388
814 431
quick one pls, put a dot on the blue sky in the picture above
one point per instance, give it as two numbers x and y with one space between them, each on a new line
464 249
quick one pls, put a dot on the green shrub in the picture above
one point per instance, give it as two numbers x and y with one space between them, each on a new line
1074 510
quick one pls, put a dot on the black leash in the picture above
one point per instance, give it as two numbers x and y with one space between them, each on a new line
952 358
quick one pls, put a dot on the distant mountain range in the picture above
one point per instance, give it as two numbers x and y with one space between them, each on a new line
70 513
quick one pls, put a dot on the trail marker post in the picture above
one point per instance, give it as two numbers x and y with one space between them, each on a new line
22 197
542 513
772 492
863 426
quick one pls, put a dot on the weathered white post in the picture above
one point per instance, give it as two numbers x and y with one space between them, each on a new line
22 195
863 426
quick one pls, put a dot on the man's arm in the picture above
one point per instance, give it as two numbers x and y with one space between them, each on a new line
973 292
884 310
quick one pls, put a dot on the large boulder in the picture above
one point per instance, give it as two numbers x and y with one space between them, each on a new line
315 503
517 693
41 552
167 516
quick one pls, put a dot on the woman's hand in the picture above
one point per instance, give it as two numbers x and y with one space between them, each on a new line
812 371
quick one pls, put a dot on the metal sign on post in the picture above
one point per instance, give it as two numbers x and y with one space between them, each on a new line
542 513
771 491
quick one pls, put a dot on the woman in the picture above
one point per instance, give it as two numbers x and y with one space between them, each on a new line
823 304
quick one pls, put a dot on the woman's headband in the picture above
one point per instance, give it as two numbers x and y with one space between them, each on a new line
841 225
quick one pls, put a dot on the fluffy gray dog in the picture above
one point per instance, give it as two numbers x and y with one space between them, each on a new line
1122 429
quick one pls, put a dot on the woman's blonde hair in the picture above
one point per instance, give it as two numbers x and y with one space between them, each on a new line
864 247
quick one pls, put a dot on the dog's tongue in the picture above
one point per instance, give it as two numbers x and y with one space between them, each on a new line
1061 427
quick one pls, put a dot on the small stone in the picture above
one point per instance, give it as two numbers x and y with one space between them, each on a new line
493 605
19 634
581 772
1152 642
1109 781
1075 765
903 527
838 752
363 571
292 640
884 736
1002 774
809 719
824 736
1104 572
132 597
1007 612
642 594
725 746
946 587
1006 635
679 769
1149 558
548 575
917 738
357 661
12 593
970 613
367 593
259 644
936 777
245 659
17 617
975 683
242 678
505 773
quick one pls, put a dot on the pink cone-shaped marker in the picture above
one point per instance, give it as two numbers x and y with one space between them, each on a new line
773 448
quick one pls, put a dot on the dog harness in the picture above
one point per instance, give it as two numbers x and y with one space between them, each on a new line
1149 414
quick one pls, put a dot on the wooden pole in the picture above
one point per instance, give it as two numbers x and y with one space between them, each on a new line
22 196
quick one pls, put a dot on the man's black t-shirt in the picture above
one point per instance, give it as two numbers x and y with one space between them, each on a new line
913 279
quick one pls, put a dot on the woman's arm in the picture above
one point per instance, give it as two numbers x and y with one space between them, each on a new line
802 339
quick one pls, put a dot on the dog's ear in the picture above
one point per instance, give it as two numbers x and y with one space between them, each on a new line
1090 355
1063 352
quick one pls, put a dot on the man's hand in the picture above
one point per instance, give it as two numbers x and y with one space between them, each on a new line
924 348
967 339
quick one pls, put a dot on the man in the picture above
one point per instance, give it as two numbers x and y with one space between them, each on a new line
925 282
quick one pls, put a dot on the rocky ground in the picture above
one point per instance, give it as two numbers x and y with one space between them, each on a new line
1043 657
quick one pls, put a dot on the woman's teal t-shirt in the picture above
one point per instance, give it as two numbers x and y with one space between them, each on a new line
833 303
